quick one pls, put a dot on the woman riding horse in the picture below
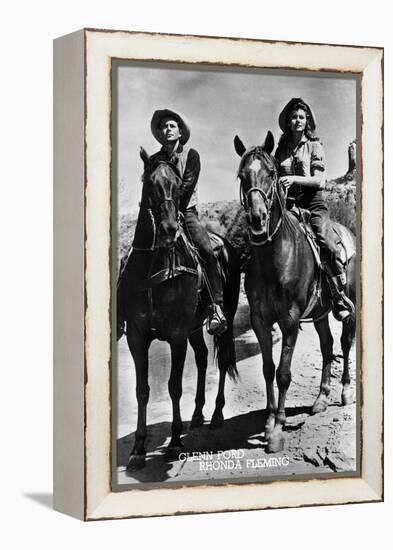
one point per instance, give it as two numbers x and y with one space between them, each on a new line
284 283
301 162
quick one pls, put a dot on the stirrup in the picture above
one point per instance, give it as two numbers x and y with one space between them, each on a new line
343 308
216 323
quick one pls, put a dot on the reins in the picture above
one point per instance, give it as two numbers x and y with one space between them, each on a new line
154 245
172 270
268 199
153 224
180 217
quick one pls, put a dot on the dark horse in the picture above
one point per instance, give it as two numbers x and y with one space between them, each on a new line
160 295
281 283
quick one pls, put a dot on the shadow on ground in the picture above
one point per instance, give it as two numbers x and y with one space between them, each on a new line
244 431
45 499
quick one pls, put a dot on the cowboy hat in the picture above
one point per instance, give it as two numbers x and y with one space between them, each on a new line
160 114
283 118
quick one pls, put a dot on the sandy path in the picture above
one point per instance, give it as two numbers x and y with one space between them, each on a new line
315 445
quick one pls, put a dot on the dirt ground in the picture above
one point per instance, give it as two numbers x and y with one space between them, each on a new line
320 444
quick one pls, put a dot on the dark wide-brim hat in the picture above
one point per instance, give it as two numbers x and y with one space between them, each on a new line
289 107
160 114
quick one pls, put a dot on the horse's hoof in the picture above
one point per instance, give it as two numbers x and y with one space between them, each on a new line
346 398
136 462
275 445
197 421
173 452
319 406
216 422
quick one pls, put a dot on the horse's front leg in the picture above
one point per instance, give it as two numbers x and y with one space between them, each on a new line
283 376
139 349
200 350
326 344
263 333
178 351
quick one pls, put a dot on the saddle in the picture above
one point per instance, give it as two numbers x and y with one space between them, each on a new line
303 216
219 250
174 265
343 243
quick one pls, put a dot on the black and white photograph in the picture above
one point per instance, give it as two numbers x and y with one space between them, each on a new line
201 132
234 243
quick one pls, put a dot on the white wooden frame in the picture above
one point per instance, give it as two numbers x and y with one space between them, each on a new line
82 335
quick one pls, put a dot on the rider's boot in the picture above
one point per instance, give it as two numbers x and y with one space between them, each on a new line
216 322
343 307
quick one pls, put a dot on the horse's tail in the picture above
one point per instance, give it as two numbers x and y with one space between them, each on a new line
224 351
224 345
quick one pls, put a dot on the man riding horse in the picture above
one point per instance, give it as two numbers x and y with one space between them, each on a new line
173 132
301 163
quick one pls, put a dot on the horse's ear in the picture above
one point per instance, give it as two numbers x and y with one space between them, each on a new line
144 156
239 146
268 146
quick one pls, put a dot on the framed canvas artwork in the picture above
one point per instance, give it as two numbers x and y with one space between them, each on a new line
218 274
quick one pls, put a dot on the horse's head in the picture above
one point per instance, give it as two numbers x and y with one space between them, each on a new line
258 179
161 195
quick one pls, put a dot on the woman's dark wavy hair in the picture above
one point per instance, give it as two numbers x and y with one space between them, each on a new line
286 135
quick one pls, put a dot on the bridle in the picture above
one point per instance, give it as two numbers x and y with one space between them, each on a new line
167 198
268 198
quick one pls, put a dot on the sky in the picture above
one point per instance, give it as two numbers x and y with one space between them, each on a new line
218 105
